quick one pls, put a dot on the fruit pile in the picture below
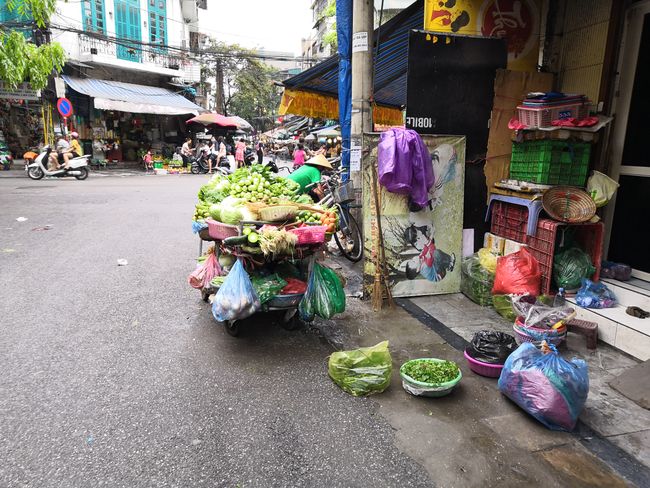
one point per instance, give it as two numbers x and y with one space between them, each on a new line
328 218
201 211
307 217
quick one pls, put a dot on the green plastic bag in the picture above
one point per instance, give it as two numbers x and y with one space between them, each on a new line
476 282
267 287
503 305
324 296
362 371
570 267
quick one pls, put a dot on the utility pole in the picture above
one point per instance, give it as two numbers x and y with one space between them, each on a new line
362 41
219 98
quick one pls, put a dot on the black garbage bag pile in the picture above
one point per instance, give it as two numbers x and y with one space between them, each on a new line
490 346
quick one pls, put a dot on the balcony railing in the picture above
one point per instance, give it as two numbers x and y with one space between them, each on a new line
97 46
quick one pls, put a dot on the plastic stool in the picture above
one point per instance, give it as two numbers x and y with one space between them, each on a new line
534 209
587 329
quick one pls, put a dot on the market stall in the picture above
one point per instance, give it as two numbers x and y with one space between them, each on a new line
267 238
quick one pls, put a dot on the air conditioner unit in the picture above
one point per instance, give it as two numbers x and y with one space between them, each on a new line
93 50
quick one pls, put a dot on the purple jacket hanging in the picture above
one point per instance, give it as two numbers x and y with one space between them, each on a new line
404 164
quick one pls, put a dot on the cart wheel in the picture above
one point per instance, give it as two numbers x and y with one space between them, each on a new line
232 327
291 320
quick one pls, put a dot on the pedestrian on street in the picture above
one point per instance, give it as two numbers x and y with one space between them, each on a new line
298 157
240 149
186 151
260 153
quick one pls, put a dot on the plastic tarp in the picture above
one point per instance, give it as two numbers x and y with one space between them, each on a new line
344 33
129 97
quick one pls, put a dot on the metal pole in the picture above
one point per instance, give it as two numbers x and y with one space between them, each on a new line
362 41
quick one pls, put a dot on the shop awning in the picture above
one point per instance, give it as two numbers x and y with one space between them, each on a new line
129 97
314 92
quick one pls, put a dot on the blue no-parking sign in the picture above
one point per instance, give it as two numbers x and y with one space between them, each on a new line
64 106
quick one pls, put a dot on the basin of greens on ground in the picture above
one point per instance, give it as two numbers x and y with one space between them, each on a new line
429 376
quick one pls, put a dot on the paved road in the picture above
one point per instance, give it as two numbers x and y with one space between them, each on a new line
118 376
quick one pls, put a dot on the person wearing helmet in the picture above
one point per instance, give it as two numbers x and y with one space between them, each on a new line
74 151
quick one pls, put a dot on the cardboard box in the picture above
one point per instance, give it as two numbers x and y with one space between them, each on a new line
494 243
511 246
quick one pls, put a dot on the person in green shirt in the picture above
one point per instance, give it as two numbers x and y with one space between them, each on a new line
310 173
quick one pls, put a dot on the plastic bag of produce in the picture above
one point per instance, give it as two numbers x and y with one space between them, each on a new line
595 295
601 188
294 286
490 346
198 226
503 306
487 259
204 273
324 296
545 385
476 281
236 299
267 287
537 314
362 371
570 267
517 273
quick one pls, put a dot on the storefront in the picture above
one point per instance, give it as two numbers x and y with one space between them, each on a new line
120 121
21 123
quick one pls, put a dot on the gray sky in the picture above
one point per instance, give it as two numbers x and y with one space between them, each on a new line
275 25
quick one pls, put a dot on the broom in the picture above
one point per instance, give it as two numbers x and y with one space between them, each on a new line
381 281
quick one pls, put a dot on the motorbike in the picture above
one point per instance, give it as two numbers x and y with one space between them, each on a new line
199 164
78 167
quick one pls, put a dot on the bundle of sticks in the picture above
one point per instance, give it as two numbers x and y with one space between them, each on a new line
381 285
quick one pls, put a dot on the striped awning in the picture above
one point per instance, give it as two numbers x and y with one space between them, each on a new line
129 97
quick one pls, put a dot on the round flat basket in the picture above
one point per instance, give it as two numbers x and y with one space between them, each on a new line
569 204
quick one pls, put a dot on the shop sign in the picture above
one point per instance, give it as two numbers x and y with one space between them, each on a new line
359 42
22 92
514 20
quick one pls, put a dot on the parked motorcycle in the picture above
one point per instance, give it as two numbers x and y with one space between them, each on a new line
78 167
200 164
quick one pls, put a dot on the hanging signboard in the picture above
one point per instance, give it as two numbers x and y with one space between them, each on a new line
423 248
518 21
23 92
359 42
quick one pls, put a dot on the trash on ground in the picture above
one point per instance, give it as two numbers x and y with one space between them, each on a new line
21 219
45 227
545 385
122 262
430 377
362 371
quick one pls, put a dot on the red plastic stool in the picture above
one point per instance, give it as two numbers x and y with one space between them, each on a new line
587 329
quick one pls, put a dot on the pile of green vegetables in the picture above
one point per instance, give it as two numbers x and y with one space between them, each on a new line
431 372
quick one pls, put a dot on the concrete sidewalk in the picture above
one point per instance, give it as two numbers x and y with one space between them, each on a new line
478 434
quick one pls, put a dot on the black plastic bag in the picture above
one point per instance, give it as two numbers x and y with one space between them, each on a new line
490 346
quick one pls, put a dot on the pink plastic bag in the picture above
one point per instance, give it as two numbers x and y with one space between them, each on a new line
205 273
517 273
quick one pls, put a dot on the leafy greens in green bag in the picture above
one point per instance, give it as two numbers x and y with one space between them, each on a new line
324 296
362 371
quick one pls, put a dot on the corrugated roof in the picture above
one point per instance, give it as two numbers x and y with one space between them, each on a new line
132 93
390 67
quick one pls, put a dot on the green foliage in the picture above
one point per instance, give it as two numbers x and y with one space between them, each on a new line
330 10
21 60
431 372
248 83
330 38
39 10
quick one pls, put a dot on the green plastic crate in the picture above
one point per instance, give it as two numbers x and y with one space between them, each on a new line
157 165
550 162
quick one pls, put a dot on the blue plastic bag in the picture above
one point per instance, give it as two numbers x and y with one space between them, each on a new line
198 226
236 298
595 295
545 385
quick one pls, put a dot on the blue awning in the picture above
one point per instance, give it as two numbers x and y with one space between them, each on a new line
390 66
129 97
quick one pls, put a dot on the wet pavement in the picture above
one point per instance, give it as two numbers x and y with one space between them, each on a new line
118 375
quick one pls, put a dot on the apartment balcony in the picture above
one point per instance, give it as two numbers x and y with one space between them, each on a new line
105 52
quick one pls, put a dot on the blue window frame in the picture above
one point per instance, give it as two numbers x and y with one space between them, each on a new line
127 27
11 16
158 24
93 16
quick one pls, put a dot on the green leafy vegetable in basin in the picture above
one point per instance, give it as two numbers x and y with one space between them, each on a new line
432 372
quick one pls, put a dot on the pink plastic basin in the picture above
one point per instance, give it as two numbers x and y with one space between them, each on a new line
483 369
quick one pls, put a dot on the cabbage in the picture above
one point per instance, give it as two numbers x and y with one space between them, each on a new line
226 260
246 214
215 211
232 202
231 215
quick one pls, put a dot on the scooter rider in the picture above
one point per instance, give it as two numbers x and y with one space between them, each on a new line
74 151
62 146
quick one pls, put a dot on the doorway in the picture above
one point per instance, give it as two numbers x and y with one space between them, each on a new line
627 219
